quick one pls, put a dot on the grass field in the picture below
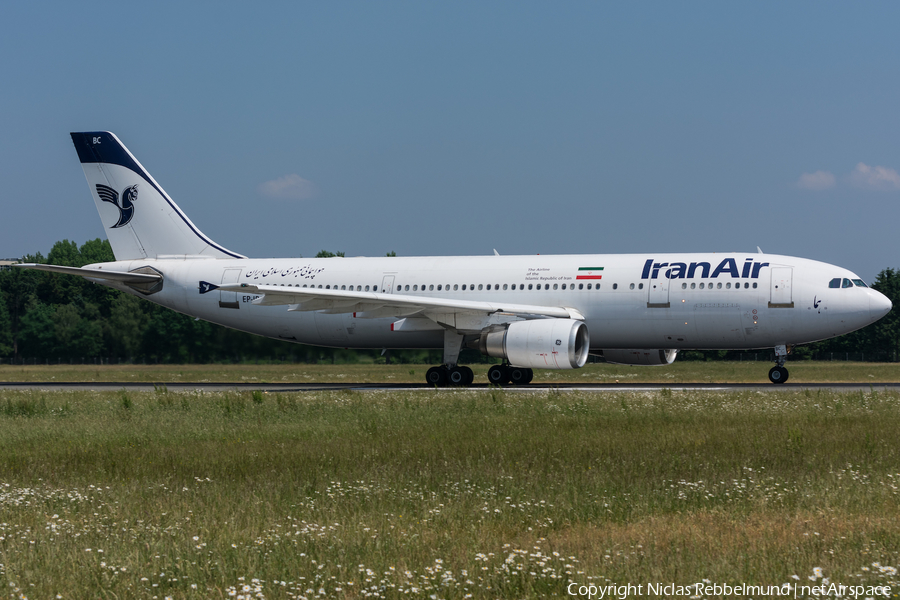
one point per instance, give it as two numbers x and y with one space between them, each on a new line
412 494
679 372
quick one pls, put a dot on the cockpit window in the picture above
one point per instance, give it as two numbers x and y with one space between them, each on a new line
859 283
847 283
835 283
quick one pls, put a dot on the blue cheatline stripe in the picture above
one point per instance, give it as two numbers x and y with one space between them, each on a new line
111 151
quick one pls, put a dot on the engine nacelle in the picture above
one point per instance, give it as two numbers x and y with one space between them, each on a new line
538 344
639 356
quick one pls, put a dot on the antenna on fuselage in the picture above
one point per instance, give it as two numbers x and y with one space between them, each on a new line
758 249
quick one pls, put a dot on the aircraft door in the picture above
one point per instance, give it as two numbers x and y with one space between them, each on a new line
659 292
229 299
780 295
387 284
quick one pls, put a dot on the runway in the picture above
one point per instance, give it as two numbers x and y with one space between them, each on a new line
380 387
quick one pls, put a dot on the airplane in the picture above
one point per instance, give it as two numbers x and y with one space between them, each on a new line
531 312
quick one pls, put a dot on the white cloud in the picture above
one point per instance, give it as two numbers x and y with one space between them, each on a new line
289 187
875 178
820 180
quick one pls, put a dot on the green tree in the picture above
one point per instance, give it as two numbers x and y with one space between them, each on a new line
78 332
66 254
391 254
885 333
6 340
37 331
125 326
327 254
96 251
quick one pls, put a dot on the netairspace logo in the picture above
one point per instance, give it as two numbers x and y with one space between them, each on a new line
708 589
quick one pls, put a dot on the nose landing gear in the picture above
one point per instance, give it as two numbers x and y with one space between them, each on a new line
779 374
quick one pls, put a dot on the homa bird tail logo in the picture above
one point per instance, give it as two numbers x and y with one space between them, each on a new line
126 208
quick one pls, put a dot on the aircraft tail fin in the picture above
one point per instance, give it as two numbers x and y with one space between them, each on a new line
142 221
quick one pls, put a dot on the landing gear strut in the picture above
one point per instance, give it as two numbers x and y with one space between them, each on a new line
450 373
779 374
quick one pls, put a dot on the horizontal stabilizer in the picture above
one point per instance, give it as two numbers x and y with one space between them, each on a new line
120 276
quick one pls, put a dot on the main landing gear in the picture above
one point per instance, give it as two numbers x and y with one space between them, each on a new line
451 373
778 374
462 376
503 374
444 375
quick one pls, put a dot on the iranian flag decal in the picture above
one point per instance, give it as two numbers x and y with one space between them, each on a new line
589 273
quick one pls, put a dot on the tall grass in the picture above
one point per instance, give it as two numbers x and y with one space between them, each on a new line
489 493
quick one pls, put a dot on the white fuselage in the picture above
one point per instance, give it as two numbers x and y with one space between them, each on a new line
673 301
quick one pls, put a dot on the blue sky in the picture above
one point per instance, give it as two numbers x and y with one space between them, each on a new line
456 128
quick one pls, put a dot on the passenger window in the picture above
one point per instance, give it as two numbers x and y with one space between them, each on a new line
693 285
847 283
580 286
754 285
431 287
479 287
746 285
530 286
439 288
835 283
631 287
719 286
327 287
505 286
464 287
343 287
615 286
701 285
554 287
728 286
640 286
472 286
455 286
367 288
320 287
374 288
684 286
407 288
589 286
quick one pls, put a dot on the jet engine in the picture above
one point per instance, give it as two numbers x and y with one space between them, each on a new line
538 344
639 356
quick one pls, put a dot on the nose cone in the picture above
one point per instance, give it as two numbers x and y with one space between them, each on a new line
879 305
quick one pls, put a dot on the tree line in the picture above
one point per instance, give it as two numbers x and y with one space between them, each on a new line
46 317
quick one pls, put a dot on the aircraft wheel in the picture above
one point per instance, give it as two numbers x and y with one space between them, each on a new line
498 375
519 376
778 375
458 376
470 375
436 376
529 375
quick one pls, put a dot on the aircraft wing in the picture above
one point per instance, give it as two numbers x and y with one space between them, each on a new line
120 276
375 304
